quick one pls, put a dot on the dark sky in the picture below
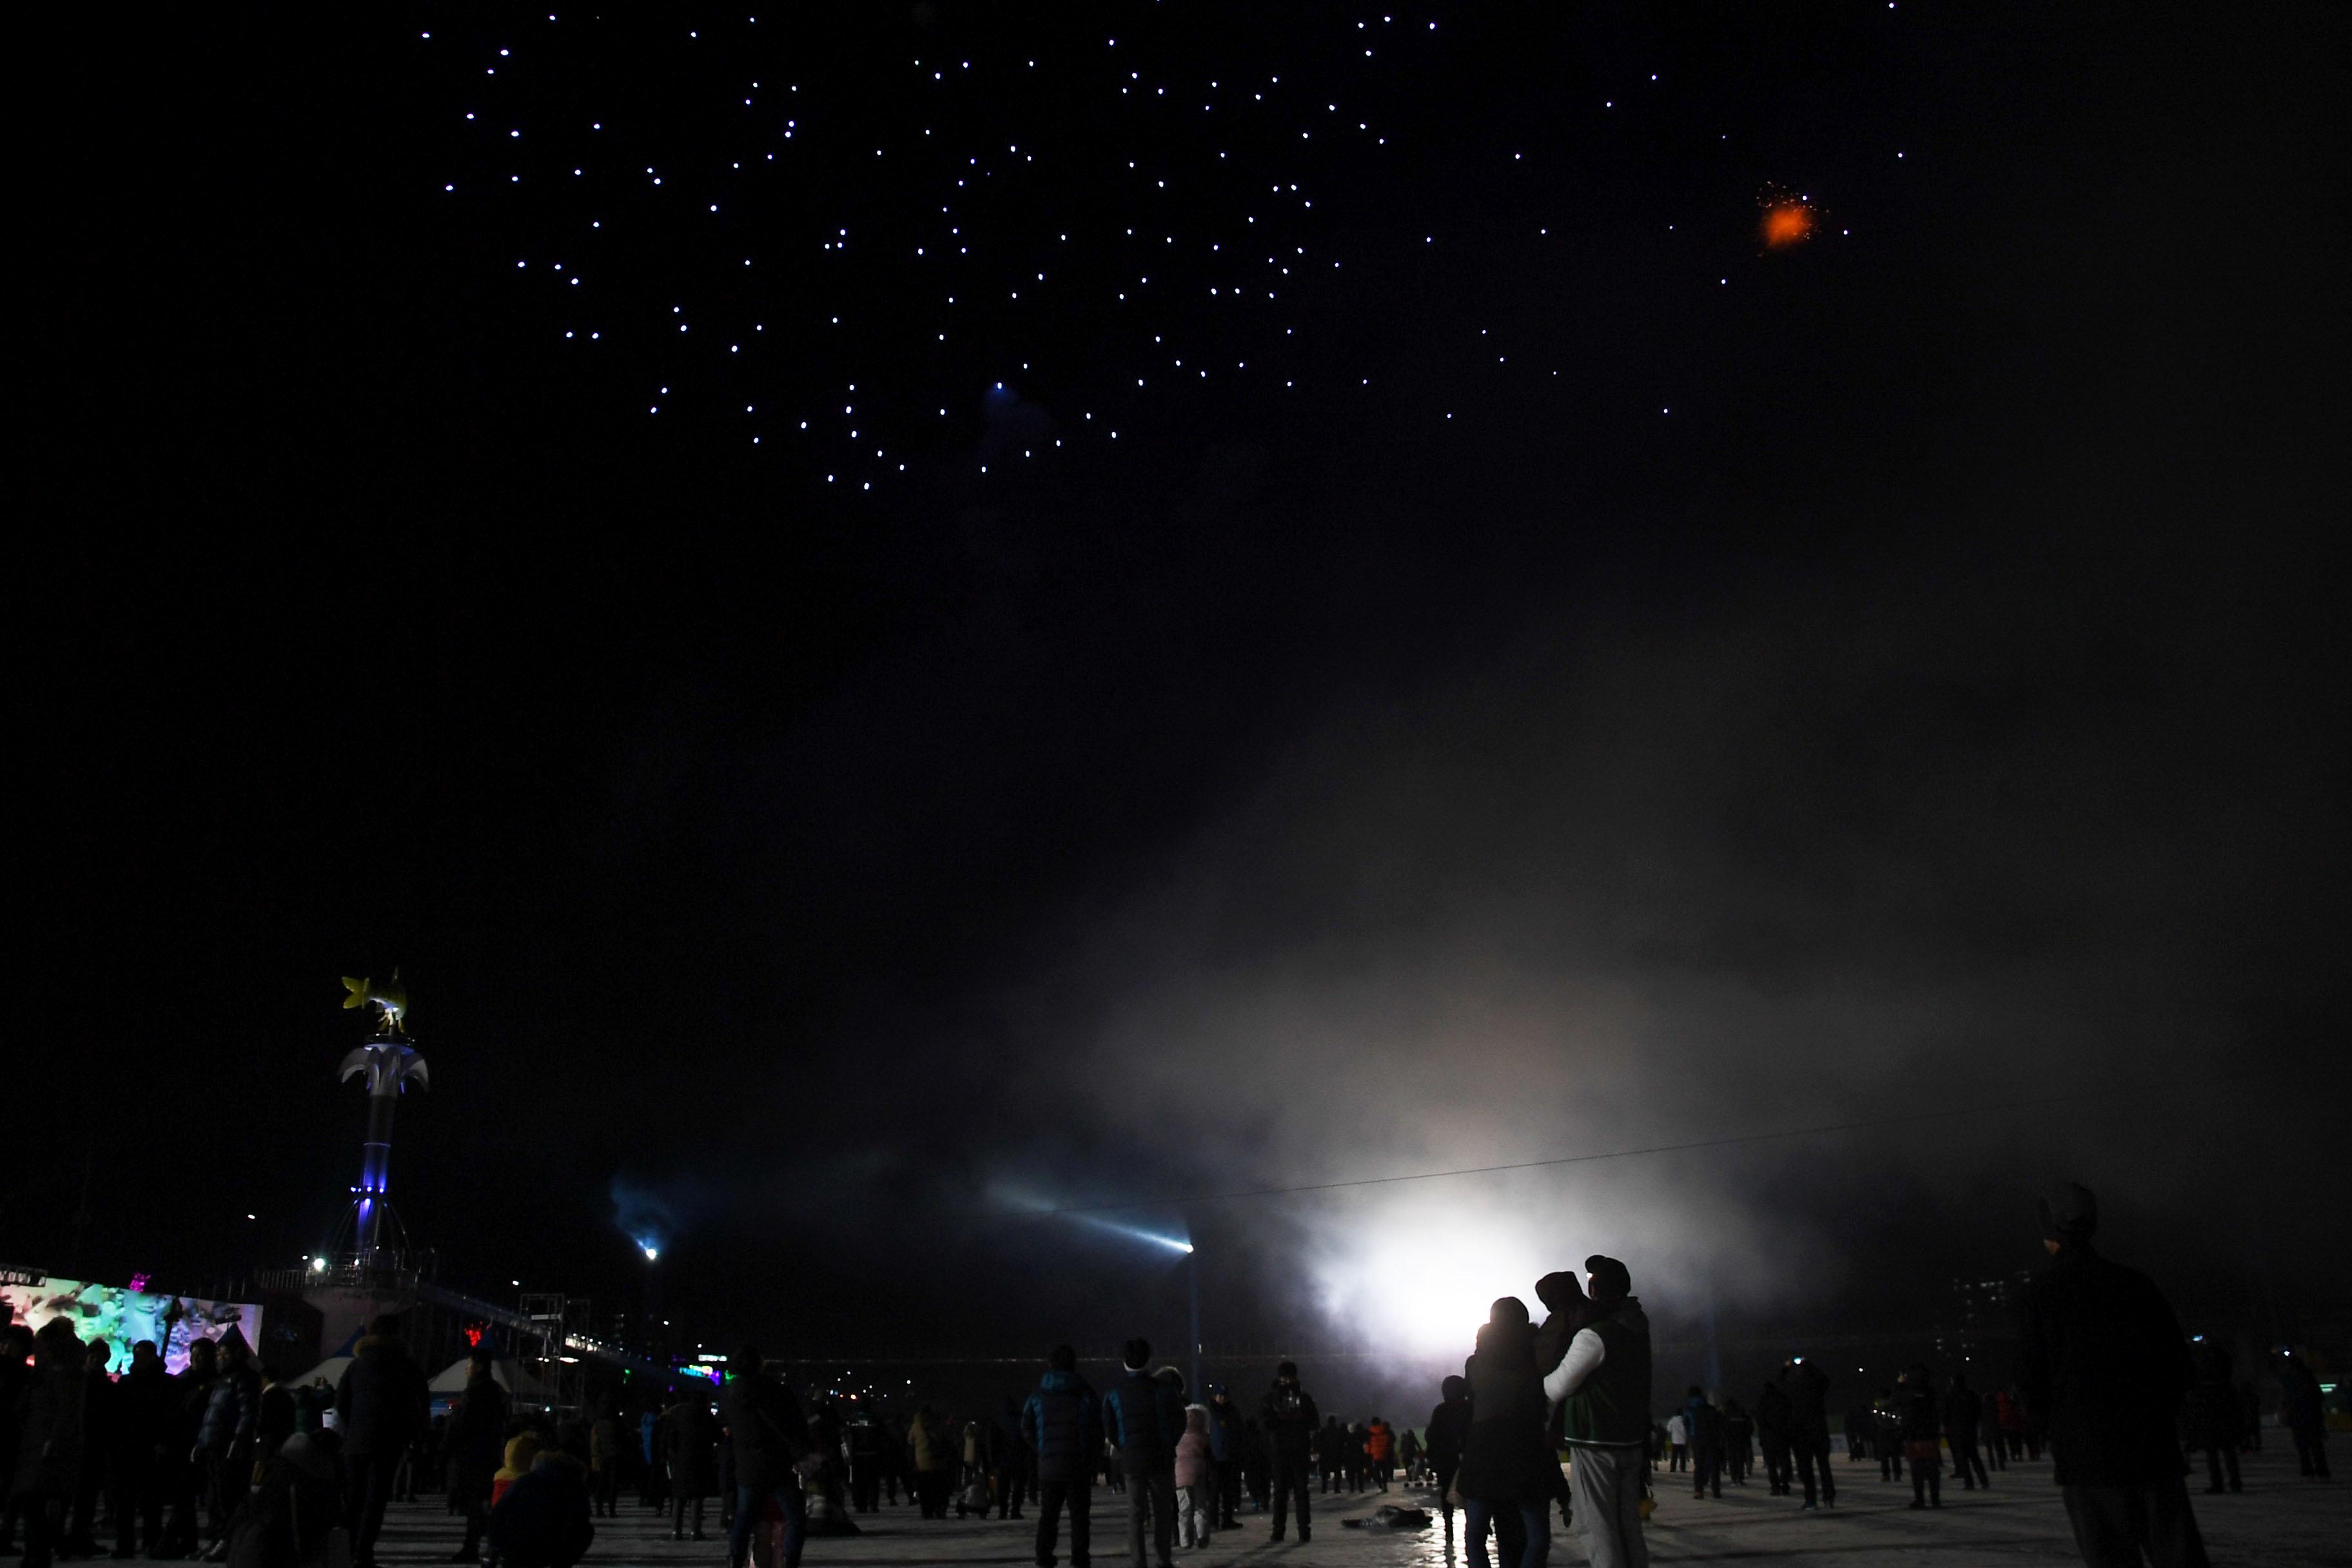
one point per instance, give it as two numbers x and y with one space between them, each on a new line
1568 678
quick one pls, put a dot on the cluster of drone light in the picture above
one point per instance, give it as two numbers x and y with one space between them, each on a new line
1195 255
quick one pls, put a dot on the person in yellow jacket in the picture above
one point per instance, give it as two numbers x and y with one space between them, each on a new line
926 1436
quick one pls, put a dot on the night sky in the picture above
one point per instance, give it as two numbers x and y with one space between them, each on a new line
904 613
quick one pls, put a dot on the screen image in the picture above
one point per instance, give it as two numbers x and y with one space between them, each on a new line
122 1316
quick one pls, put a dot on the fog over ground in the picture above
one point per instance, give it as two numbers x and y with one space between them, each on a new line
1928 834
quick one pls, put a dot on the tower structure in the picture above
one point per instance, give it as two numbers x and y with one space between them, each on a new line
390 1064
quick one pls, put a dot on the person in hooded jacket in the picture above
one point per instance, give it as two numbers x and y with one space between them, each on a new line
1604 1383
1061 1424
1288 1418
1449 1424
381 1406
1145 1416
1505 1480
475 1442
49 1439
1196 1479
2101 1361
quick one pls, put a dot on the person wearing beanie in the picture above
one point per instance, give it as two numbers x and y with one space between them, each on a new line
1603 1383
2101 1361
1288 1417
1144 1416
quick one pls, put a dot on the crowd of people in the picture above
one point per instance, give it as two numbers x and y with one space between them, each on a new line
222 1462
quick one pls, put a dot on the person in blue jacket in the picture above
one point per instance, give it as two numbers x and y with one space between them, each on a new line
1062 1424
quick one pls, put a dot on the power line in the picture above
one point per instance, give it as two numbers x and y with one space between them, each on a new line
1240 1193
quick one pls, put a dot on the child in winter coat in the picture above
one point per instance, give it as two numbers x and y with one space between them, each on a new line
1196 1477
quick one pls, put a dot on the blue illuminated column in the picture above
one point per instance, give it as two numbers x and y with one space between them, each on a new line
389 1063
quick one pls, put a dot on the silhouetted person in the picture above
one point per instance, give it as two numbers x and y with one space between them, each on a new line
1145 1418
227 1439
1809 1428
767 1432
98 1437
1010 1452
1330 1456
686 1439
1287 1417
2213 1414
1449 1423
1860 1424
2102 1362
1886 1436
1739 1442
145 1429
1963 1413
380 1408
1772 1435
473 1445
296 1505
1705 1423
1063 1424
182 1481
2307 1419
16 1378
49 1440
1225 1454
1919 1417
1502 1480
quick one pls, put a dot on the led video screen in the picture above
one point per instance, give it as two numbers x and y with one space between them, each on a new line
122 1316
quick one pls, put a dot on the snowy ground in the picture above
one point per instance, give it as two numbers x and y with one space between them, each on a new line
2279 1521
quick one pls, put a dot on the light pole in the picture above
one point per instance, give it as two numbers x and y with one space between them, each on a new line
1193 1280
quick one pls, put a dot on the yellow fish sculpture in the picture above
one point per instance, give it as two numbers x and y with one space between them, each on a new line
390 995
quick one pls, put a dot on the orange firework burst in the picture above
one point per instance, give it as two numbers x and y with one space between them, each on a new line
1789 219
